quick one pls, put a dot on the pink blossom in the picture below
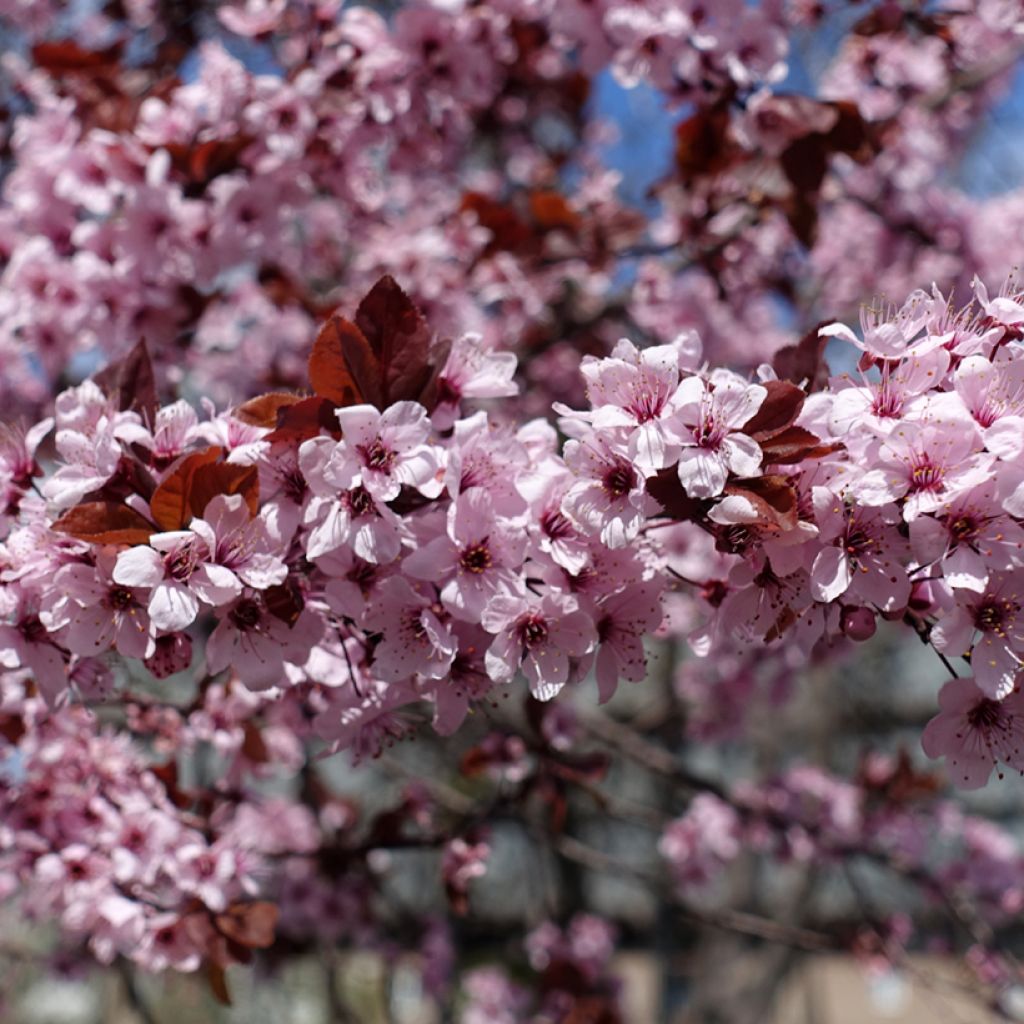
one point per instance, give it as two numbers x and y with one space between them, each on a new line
538 635
254 642
477 557
622 621
994 614
707 426
95 613
925 465
975 732
865 555
415 640
180 569
471 371
382 451
608 497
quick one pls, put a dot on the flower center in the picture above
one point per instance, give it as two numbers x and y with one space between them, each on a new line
555 525
991 617
533 631
476 558
926 475
119 598
618 480
245 615
964 528
377 456
985 714
181 563
359 502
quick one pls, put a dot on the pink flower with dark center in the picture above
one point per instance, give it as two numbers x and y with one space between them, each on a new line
993 393
179 568
865 554
975 733
898 394
608 497
382 451
622 621
477 557
539 636
256 643
707 426
414 640
95 613
481 455
635 390
988 626
970 538
240 542
926 465
353 517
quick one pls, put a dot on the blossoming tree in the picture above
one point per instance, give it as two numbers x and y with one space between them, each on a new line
350 399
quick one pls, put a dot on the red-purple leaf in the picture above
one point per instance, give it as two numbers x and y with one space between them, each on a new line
306 419
666 489
804 363
772 497
793 445
105 522
343 366
210 480
130 382
249 924
171 504
264 410
780 408
400 339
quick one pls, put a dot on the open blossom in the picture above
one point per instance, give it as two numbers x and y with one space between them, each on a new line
539 636
95 613
970 538
343 511
477 556
622 621
414 638
471 371
707 425
608 496
180 570
989 626
975 733
240 542
256 643
382 451
635 390
924 464
863 562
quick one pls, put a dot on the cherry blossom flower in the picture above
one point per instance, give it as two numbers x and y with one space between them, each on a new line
707 427
477 557
995 615
179 568
608 497
381 451
414 640
538 635
975 733
926 465
256 643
